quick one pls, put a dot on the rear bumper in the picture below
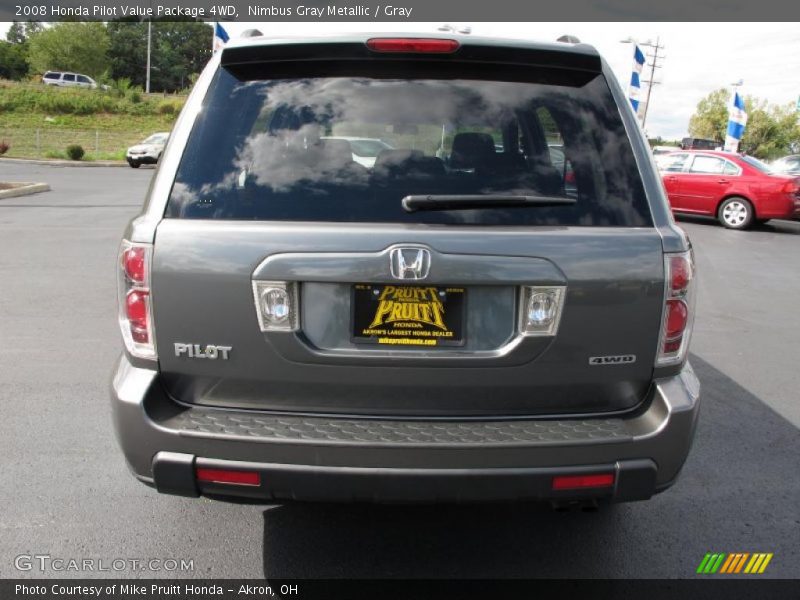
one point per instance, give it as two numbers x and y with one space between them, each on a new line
340 459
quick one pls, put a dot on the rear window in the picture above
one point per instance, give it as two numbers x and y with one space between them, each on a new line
292 148
757 164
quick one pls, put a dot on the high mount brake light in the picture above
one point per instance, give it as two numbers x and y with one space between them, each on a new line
413 45
678 309
135 302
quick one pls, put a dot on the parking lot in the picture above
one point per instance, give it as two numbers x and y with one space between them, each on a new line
65 490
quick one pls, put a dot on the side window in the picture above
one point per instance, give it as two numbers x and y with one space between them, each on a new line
556 148
52 75
673 162
730 168
707 164
83 79
69 77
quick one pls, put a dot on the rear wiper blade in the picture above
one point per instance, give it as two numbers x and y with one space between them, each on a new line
413 203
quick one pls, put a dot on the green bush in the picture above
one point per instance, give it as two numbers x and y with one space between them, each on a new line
51 100
167 108
75 151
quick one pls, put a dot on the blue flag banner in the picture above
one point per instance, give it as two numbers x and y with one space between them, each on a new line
635 88
220 38
737 120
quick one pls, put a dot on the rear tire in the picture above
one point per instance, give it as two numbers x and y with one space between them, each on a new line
134 164
736 213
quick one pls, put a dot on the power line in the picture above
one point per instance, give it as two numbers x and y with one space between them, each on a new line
654 58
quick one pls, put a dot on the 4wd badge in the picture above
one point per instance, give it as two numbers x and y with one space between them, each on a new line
619 359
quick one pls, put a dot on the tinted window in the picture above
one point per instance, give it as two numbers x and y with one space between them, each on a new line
156 139
52 75
83 79
270 160
754 162
68 77
672 162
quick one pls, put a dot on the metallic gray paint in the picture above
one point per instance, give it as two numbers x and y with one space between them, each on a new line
201 290
661 432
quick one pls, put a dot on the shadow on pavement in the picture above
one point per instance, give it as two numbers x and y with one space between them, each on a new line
738 492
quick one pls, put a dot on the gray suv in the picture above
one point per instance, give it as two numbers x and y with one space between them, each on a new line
464 320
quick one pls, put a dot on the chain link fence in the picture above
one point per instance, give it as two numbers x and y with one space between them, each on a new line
43 142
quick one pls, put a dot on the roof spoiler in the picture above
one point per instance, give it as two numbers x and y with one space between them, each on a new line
557 56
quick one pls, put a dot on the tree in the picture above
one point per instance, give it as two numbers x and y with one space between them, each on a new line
70 46
180 49
710 120
771 130
19 32
13 61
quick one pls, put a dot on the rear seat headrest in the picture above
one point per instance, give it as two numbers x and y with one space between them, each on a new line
471 150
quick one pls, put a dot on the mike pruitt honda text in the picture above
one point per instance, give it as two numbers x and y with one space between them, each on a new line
152 590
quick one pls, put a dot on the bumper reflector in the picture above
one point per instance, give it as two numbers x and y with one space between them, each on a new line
228 476
578 482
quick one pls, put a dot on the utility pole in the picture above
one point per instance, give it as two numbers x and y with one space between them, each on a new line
149 35
654 58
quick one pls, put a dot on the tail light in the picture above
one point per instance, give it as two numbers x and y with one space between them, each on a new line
791 187
679 299
135 301
413 45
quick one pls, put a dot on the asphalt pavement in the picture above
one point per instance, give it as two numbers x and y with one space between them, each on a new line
65 491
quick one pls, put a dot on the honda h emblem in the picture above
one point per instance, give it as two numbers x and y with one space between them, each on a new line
410 263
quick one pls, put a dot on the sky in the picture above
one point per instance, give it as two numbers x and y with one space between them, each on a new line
698 57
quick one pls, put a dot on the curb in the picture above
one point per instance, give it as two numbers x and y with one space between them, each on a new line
25 189
56 162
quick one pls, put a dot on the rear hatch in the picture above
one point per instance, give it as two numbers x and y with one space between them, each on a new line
498 258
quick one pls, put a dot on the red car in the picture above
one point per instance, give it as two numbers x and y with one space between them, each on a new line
735 189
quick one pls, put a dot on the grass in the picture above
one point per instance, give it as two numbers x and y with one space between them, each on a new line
38 121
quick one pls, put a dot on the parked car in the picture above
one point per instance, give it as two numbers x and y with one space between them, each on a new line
788 165
658 150
365 150
65 79
738 190
148 152
298 326
690 143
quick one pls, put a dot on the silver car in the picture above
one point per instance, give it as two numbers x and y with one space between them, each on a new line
448 325
148 151
65 79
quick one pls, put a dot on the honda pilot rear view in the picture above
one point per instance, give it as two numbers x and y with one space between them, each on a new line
499 306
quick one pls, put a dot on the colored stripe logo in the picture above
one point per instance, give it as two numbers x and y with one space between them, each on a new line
734 563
